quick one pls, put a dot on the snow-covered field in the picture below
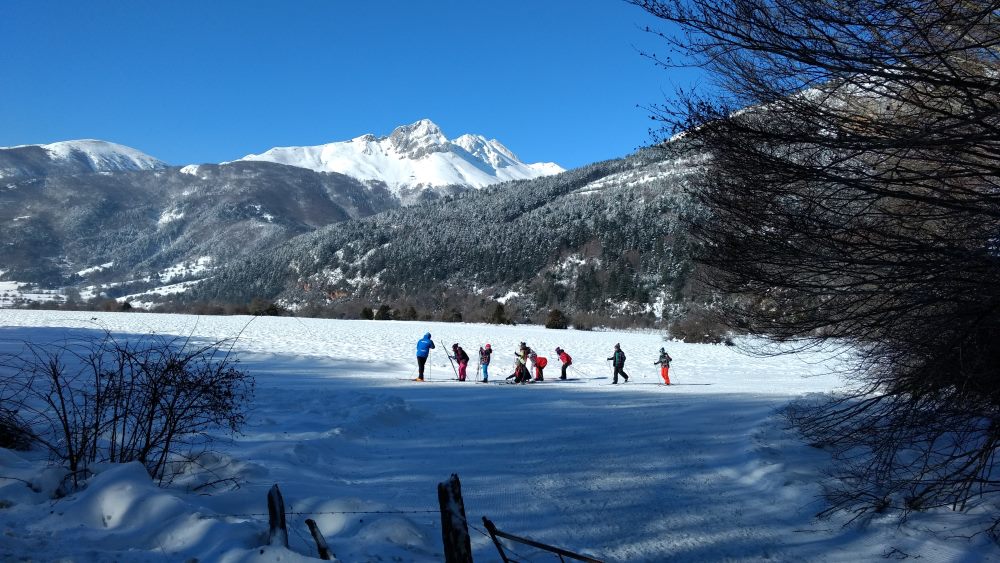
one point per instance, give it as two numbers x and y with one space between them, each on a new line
699 471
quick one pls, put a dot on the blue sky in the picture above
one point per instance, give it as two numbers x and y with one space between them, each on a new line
208 81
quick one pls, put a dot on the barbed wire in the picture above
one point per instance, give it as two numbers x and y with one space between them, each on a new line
488 536
255 514
299 534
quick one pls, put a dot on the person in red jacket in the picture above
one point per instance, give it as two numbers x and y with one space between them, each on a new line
565 359
540 362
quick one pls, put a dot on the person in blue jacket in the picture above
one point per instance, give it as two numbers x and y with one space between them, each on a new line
424 346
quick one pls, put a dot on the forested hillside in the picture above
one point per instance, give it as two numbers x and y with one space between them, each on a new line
601 239
137 223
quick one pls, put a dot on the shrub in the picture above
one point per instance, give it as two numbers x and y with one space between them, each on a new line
699 326
556 319
14 433
111 306
367 314
105 400
499 316
263 308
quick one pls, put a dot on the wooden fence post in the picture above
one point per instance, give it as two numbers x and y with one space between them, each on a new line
454 527
496 541
276 517
324 551
562 553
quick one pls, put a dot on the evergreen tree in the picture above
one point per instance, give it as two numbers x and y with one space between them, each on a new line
556 319
499 315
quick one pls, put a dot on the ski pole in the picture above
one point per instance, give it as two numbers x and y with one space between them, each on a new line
452 366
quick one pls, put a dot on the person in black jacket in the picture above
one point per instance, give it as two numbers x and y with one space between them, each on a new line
618 361
664 363
462 358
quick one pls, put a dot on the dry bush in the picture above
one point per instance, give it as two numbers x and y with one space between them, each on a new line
14 433
699 326
151 400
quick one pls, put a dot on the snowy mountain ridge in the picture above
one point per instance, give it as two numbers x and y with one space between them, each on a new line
104 156
418 155
79 156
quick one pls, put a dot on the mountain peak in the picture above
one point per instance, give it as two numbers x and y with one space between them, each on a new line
421 128
418 139
417 155
490 150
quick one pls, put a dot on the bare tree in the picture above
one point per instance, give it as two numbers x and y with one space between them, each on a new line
852 195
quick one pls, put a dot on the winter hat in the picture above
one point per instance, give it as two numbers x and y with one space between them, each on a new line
662 350
618 346
454 346
558 350
488 347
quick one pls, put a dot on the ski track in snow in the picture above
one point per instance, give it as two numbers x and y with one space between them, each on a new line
699 471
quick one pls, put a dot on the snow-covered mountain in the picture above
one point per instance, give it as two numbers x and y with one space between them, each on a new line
145 221
414 156
73 157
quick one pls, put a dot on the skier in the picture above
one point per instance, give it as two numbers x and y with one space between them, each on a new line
664 362
424 346
484 361
539 362
462 358
618 360
521 374
516 376
565 359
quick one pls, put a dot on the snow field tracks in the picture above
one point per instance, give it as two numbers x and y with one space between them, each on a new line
689 472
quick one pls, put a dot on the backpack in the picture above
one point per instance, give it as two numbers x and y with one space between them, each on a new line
619 358
541 362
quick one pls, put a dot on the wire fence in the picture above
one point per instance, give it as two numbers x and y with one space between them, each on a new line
280 517
322 512
489 537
